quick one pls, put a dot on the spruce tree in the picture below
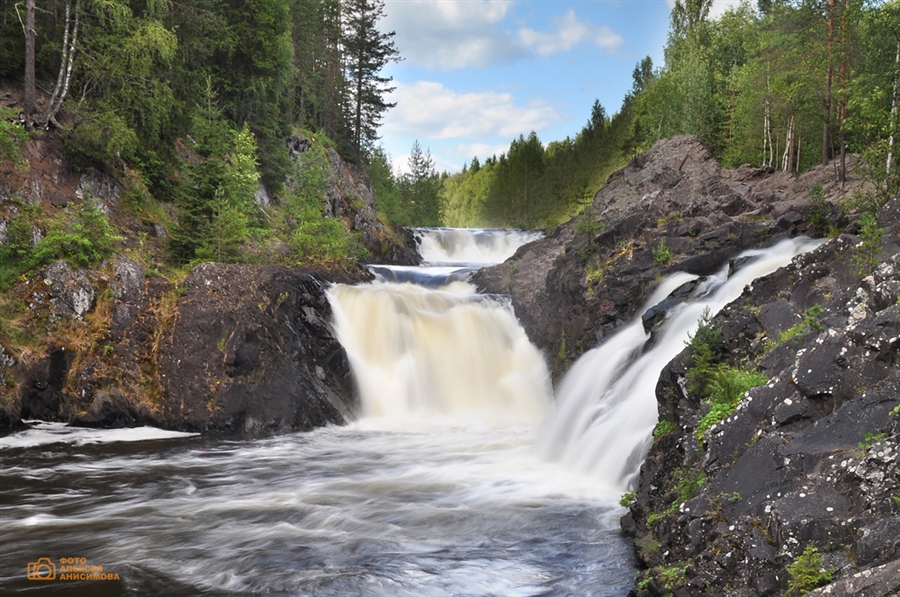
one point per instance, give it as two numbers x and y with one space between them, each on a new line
366 51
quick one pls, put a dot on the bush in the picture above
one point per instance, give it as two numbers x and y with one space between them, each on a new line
103 139
807 572
866 255
662 254
12 135
80 235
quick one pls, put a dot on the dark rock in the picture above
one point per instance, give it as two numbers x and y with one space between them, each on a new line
883 581
109 410
878 543
128 293
41 392
252 351
71 293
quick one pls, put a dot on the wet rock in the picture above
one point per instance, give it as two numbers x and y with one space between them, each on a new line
109 410
42 391
252 351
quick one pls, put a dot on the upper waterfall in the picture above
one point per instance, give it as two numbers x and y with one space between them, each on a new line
470 245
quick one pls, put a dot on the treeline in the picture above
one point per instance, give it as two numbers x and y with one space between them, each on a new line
189 102
530 186
787 85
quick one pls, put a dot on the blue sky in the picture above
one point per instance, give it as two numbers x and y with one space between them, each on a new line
478 73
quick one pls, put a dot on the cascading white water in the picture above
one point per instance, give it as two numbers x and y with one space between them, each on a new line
470 245
605 409
416 351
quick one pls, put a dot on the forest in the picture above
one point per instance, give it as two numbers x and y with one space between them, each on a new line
188 105
189 102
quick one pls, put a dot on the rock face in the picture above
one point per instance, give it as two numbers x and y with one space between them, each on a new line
671 209
251 350
351 198
811 458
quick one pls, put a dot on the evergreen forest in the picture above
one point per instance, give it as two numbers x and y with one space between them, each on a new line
189 104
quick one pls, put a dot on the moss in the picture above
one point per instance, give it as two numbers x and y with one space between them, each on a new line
664 427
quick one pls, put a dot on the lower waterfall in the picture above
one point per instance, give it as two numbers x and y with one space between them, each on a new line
605 407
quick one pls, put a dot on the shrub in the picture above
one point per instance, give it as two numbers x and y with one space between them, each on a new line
807 572
866 255
662 254
80 235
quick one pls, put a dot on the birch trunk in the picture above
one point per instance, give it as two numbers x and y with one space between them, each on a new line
895 109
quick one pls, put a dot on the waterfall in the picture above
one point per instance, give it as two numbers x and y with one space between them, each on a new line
423 343
605 409
470 245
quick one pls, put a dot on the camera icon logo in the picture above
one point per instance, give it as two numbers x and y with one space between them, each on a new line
43 569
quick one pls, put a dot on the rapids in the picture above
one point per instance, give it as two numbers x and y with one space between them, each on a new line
462 475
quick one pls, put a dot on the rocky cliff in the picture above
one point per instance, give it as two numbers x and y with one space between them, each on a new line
237 348
799 485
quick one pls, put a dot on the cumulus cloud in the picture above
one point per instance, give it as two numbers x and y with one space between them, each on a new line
569 33
452 34
429 110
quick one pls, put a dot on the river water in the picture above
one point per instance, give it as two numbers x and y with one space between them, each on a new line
438 489
462 476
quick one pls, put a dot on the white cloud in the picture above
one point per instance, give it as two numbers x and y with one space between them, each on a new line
452 34
569 33
718 8
428 110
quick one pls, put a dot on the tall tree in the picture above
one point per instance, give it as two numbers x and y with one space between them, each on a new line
367 50
28 100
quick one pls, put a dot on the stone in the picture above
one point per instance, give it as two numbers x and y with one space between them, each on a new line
71 293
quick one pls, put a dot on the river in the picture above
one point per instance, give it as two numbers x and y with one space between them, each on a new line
462 476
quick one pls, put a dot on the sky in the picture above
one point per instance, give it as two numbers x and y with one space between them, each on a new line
476 74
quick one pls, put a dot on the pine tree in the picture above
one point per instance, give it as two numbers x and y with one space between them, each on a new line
366 51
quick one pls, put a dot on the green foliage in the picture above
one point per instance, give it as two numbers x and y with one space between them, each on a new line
719 385
533 186
811 317
81 235
312 235
703 354
871 438
664 427
628 499
867 254
810 321
12 136
662 255
588 223
726 386
102 139
820 212
807 572
673 577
